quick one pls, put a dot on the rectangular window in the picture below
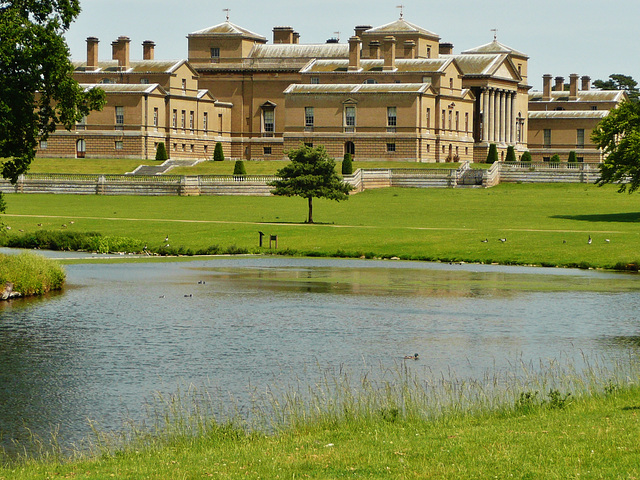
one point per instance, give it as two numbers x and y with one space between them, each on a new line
267 150
268 121
391 147
444 119
466 122
205 149
205 122
392 119
184 85
191 123
428 52
349 119
220 124
547 138
174 120
580 138
119 145
450 118
43 144
428 118
215 54
144 81
451 84
457 121
314 80
184 147
309 118
183 117
119 118
155 118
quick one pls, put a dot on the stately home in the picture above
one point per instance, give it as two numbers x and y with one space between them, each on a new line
393 92
561 121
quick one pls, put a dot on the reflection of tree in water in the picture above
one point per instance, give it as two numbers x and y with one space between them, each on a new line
631 342
36 387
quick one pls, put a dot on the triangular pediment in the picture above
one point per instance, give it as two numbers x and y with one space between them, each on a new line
350 101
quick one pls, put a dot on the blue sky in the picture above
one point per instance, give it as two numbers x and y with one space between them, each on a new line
561 37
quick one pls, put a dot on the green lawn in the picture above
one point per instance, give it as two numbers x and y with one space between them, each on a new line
87 165
542 224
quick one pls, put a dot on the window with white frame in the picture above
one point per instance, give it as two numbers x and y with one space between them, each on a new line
119 118
191 121
392 119
119 145
205 122
183 117
174 119
309 118
580 138
268 122
349 118
43 144
155 118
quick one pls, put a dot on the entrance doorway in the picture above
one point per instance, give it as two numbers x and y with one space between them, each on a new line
349 147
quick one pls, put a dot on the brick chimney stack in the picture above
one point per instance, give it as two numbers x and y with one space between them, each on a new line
389 46
354 54
586 83
92 53
573 86
283 35
409 49
148 48
546 87
120 52
559 84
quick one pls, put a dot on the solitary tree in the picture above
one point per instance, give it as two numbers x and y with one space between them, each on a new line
347 164
492 156
36 88
161 152
311 174
618 135
218 154
511 154
526 157
618 81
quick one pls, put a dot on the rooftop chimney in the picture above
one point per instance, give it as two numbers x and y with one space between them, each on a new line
283 35
120 52
445 49
148 47
586 82
354 54
360 29
92 53
546 87
374 49
409 49
573 86
389 46
559 84
296 38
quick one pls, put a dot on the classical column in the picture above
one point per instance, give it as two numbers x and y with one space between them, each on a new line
503 117
492 117
514 97
485 115
496 117
509 120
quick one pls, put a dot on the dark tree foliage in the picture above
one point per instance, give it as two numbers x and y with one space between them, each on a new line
555 158
618 81
618 135
572 157
36 88
311 174
218 154
347 164
492 156
161 152
511 154
238 168
526 157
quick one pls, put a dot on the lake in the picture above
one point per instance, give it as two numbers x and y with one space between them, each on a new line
119 333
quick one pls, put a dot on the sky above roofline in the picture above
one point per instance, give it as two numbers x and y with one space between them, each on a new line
560 38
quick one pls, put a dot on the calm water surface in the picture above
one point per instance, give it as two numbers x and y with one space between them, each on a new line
120 332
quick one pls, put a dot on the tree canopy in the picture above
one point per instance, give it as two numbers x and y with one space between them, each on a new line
618 135
311 174
618 81
37 91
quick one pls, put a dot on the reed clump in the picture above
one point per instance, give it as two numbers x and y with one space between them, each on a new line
31 274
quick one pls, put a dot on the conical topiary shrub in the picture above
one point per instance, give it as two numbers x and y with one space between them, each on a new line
526 157
347 164
218 154
511 154
572 157
492 156
161 152
238 168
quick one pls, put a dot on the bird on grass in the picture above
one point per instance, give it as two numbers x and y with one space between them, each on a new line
39 224
486 240
503 240
589 241
607 240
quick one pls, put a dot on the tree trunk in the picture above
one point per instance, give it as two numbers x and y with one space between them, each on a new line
310 210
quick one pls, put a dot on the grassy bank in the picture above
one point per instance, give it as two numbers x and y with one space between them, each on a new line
560 427
31 274
542 224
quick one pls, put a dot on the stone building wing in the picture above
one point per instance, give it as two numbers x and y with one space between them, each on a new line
494 47
228 29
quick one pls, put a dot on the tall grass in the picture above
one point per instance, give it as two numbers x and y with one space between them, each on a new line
31 274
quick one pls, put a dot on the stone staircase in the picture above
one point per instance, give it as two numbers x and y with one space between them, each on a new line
163 168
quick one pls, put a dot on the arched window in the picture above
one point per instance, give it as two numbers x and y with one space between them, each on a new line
81 147
349 147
